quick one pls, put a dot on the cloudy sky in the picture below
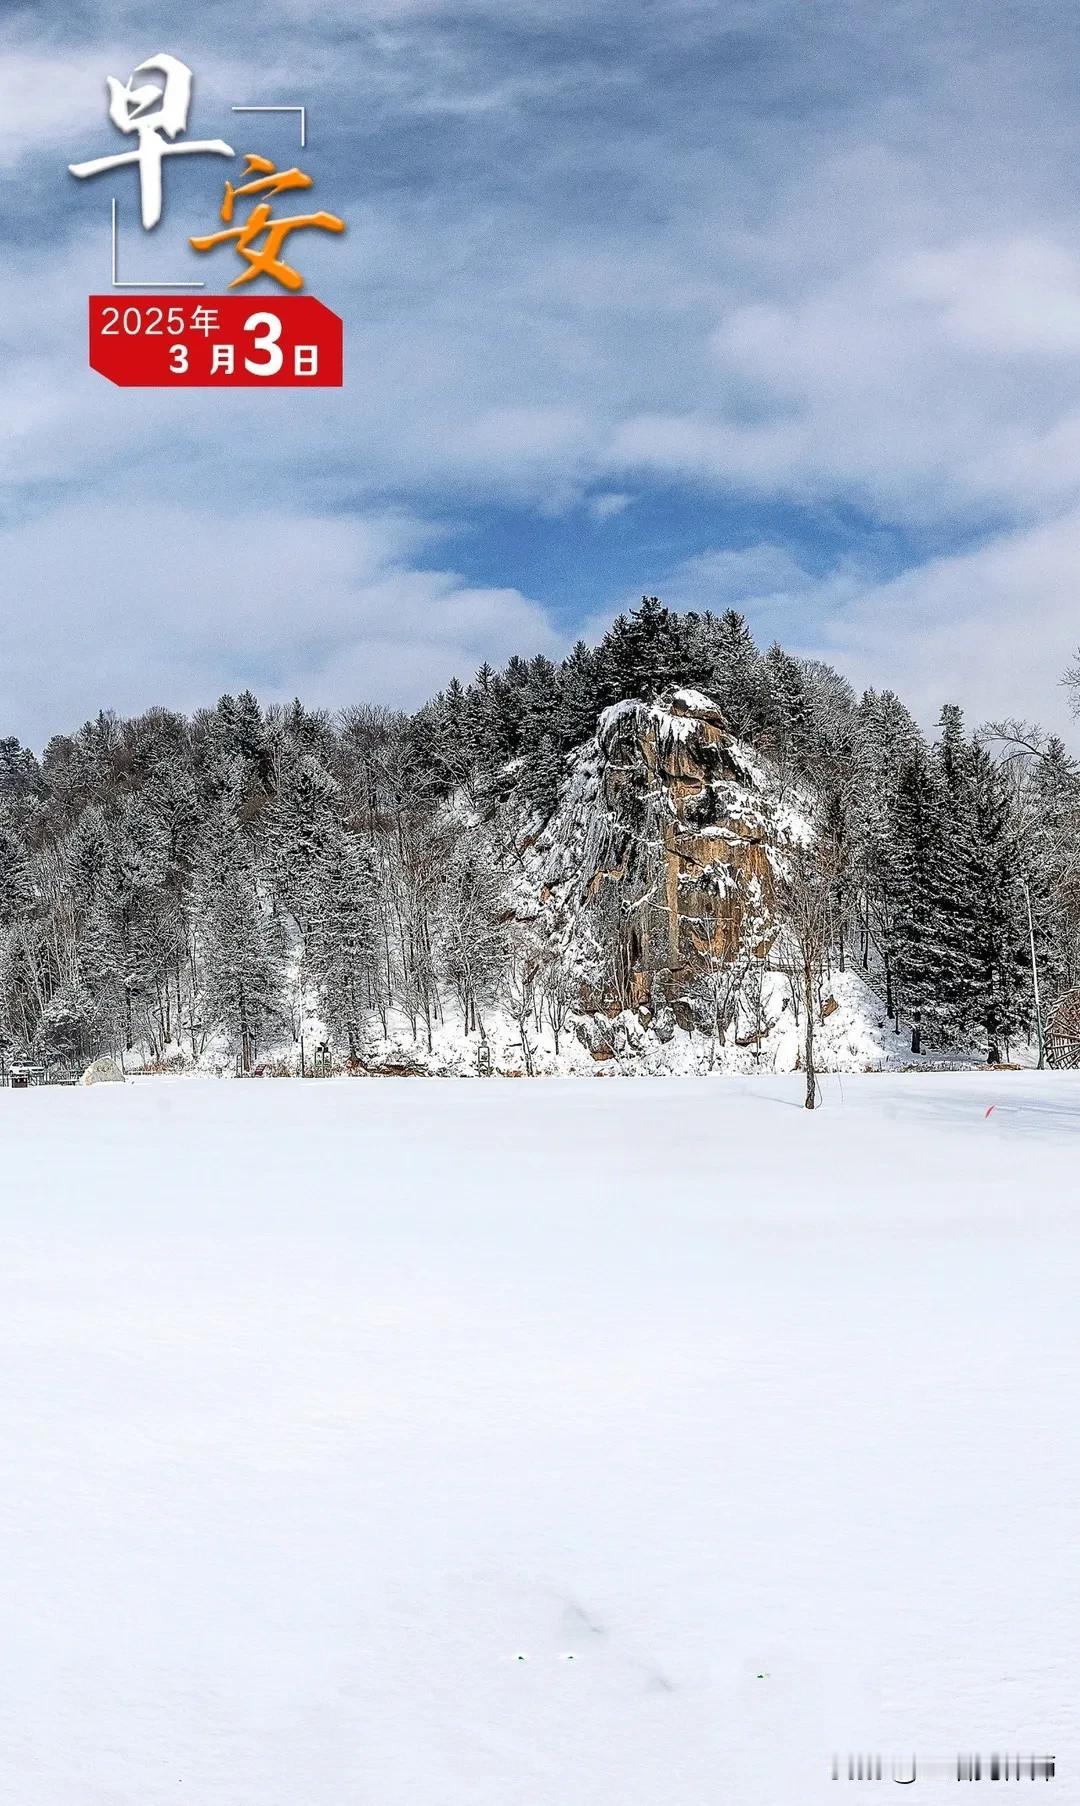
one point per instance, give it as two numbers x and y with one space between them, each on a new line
745 302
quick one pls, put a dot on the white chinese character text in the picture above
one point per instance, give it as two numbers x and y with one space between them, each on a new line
155 114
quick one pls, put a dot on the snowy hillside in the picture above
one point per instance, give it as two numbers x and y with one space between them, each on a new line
856 1036
548 869
606 1445
651 939
647 941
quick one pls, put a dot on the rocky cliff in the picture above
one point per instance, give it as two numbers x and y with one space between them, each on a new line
655 877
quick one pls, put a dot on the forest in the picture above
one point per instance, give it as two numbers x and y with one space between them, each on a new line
168 883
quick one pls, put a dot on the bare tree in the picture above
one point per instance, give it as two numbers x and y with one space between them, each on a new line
804 902
1026 743
519 990
559 991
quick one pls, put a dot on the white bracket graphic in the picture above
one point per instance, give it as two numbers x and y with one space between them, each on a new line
116 282
301 110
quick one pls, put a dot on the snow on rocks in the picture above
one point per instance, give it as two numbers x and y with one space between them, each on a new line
667 841
103 1072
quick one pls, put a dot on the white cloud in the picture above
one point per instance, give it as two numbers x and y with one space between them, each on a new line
45 99
53 98
593 251
1006 297
765 580
871 321
608 503
922 384
992 629
159 604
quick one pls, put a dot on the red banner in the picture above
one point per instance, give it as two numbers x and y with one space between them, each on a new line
226 341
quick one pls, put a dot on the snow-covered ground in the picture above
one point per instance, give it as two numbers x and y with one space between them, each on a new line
541 1444
856 1035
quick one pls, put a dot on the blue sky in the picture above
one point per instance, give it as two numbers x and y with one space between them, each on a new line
764 304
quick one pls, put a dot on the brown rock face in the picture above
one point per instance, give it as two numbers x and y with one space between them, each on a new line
666 838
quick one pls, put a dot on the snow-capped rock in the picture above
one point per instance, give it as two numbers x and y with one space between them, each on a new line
103 1072
655 877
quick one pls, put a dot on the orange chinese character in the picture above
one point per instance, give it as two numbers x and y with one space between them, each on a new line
265 260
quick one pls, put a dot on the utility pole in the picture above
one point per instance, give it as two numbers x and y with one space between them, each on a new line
1034 976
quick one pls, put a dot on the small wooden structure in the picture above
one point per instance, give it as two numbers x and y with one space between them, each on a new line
1063 1033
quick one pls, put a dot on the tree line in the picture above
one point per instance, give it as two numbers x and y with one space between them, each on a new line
165 880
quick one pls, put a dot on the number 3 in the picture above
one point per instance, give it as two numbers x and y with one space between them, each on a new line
266 341
179 359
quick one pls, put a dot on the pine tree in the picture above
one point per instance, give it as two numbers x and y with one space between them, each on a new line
20 774
541 774
244 734
884 741
16 879
450 746
788 727
578 701
998 914
89 859
640 654
343 938
485 726
1050 802
540 700
956 874
242 977
918 929
298 829
103 997
737 679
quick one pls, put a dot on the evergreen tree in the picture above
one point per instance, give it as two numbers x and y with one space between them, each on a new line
640 654
155 871
541 701
956 874
16 879
737 679
298 829
920 957
450 746
540 776
578 702
342 940
20 775
242 974
1050 805
883 742
788 727
485 725
998 915
242 733
102 1004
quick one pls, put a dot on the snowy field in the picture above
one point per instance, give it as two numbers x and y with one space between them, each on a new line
418 1443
